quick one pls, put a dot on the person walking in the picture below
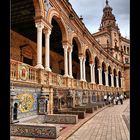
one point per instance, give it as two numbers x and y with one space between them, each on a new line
121 99
116 100
105 98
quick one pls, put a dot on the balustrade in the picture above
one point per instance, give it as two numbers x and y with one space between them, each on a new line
24 72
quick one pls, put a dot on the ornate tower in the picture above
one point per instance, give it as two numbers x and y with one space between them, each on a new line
108 19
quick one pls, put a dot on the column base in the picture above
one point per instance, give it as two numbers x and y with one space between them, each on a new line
92 82
100 84
39 66
71 76
65 75
81 80
48 69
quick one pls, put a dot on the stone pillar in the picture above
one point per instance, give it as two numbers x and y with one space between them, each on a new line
84 70
106 78
81 68
39 27
66 60
70 63
47 50
112 81
100 75
117 81
91 72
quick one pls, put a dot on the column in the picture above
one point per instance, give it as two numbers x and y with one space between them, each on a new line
117 81
70 63
91 72
81 68
112 80
39 27
66 60
106 78
47 50
84 72
100 76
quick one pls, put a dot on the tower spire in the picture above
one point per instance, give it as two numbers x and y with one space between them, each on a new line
106 2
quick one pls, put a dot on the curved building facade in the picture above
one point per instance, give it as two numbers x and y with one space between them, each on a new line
57 63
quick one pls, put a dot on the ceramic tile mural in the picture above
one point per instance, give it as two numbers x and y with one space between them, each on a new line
27 100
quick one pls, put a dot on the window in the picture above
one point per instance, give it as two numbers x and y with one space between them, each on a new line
116 56
128 50
124 48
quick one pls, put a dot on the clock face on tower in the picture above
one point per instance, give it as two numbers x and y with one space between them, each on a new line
26 102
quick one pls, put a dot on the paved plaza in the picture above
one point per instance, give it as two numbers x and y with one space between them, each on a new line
108 124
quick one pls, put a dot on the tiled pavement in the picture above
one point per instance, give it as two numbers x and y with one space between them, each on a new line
109 124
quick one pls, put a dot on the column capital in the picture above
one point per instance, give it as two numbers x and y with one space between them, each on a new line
84 59
91 65
81 57
112 74
106 72
39 25
65 47
70 48
91 62
99 68
47 31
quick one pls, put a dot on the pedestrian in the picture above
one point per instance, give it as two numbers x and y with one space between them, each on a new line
109 99
125 95
116 100
121 99
105 98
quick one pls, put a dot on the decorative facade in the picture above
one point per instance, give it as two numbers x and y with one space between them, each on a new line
56 63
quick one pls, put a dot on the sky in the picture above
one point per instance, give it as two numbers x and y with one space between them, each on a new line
92 11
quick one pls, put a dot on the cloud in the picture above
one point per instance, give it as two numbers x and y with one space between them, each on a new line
92 11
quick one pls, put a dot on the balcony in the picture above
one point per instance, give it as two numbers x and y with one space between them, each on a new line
21 72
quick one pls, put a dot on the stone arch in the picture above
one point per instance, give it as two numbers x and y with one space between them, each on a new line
76 52
103 64
89 54
109 76
119 78
114 74
39 8
52 13
75 37
88 61
103 72
96 62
